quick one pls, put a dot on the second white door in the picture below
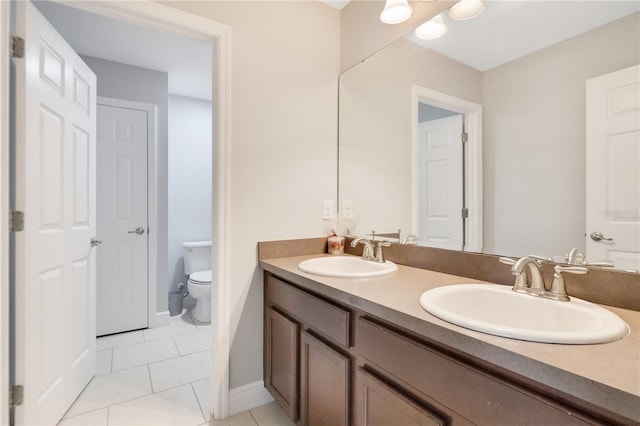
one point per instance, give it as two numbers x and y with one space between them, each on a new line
122 273
613 168
440 174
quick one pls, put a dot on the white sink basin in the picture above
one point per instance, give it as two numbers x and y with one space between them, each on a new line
346 266
496 309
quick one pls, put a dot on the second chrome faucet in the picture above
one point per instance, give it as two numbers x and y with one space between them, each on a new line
535 284
367 251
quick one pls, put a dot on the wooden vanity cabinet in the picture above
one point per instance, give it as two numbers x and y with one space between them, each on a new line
327 364
306 354
447 389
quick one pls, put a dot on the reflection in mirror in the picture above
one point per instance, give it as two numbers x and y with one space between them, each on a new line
537 154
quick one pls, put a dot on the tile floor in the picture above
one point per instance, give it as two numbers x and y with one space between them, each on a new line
158 376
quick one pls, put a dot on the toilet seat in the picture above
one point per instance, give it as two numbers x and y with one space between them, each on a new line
200 278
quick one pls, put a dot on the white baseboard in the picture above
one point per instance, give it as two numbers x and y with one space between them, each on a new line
248 396
160 319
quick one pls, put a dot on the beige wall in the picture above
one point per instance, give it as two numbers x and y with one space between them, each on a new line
376 125
285 62
362 32
534 140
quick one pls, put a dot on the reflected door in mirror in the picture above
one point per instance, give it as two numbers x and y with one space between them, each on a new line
613 168
440 180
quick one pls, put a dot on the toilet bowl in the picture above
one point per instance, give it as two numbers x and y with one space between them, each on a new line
199 286
197 265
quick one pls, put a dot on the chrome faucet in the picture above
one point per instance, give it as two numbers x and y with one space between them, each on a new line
577 257
536 287
409 239
367 251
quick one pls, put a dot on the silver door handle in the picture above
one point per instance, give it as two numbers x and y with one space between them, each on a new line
139 231
597 236
95 242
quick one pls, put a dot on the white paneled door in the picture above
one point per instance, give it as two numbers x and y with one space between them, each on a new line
440 183
55 188
613 168
122 289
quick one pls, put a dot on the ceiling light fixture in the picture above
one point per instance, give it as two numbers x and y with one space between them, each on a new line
466 9
396 12
431 29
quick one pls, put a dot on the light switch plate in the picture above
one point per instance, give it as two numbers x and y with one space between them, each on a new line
347 208
327 209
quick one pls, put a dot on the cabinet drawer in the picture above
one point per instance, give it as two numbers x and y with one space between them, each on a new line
380 405
467 391
325 318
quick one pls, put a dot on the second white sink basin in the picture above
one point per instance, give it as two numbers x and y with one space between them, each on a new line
346 266
496 309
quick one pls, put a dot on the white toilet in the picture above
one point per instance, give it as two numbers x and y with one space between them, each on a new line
197 264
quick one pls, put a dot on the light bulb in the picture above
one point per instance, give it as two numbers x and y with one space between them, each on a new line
431 29
395 11
466 9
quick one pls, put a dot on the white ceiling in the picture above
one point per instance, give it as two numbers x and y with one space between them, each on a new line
187 61
338 4
507 30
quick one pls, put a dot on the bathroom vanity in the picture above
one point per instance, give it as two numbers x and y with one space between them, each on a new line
362 351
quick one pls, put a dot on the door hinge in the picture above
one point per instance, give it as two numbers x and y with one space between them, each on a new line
465 213
465 137
16 47
16 395
16 221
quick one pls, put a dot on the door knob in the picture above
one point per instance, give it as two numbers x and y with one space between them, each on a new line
597 236
95 242
139 231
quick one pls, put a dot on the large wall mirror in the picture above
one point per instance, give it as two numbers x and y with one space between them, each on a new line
515 79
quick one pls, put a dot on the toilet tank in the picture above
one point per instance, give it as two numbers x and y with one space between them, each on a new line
197 256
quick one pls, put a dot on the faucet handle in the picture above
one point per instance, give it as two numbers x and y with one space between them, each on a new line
558 290
379 254
507 261
539 259
601 264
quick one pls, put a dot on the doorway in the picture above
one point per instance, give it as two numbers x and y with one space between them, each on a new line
471 159
125 143
218 36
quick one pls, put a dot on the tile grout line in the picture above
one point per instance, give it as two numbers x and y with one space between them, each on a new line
254 418
150 379
204 416
117 403
189 330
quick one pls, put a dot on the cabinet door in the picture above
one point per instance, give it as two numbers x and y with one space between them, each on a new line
324 384
379 405
281 361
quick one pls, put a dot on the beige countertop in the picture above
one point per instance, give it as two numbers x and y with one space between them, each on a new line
606 375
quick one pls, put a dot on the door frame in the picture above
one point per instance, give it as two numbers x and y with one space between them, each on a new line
149 13
4 211
473 158
154 319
